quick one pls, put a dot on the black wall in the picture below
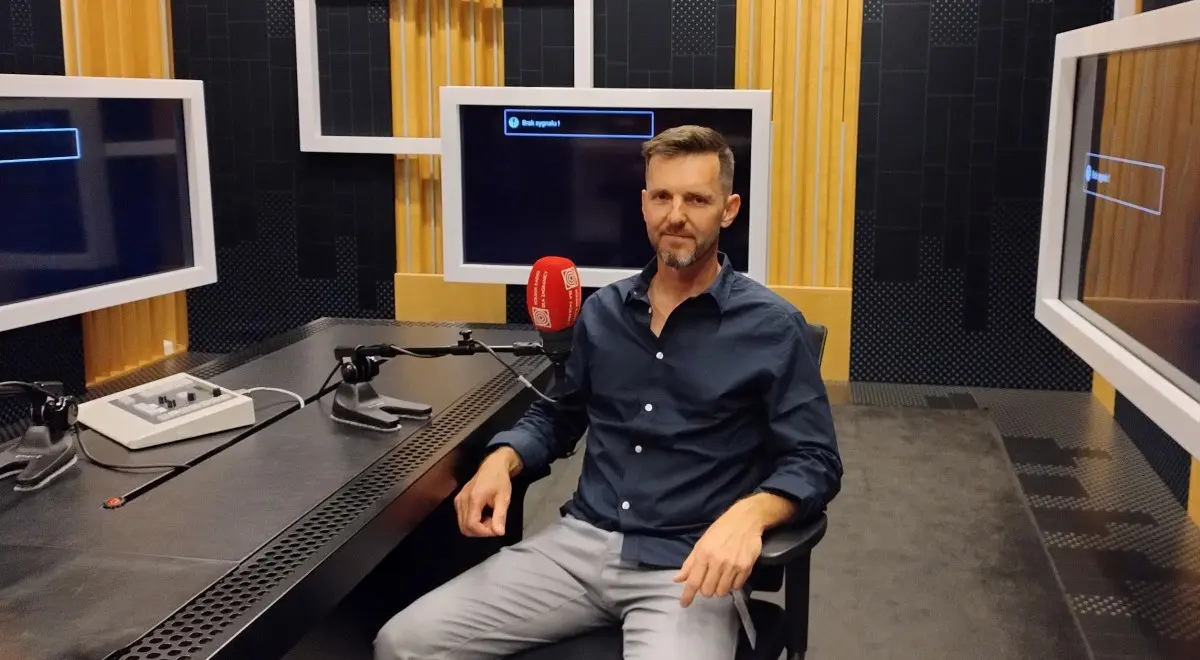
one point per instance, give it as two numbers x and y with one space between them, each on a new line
31 43
1167 458
638 43
299 235
355 66
954 108
1149 5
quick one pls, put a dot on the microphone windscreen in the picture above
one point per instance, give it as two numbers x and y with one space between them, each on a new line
553 295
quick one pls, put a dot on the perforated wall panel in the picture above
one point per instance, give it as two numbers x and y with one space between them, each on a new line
299 235
952 129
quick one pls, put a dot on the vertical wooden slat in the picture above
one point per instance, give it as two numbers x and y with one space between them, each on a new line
742 45
125 38
1151 106
809 55
433 43
827 250
849 155
782 82
70 51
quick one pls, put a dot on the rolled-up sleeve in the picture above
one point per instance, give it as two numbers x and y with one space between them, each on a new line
549 431
802 442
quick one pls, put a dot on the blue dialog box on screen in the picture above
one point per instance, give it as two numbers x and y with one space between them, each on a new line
579 123
38 145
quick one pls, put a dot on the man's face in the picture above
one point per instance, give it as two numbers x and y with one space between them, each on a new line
686 207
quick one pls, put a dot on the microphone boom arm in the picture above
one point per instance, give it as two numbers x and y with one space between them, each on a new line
358 404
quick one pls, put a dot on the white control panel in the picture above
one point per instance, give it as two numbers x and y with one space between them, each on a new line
170 409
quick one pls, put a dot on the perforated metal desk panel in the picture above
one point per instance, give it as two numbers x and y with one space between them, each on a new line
220 544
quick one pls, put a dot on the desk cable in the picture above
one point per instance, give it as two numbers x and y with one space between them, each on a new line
170 470
280 390
135 467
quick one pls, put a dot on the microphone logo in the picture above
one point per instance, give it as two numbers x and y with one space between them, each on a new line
570 278
540 316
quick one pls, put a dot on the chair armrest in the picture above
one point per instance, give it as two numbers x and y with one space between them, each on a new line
526 478
787 542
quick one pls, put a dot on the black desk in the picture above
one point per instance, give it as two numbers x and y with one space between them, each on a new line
235 556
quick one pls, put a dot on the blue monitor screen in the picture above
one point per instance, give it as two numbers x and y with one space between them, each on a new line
94 191
568 181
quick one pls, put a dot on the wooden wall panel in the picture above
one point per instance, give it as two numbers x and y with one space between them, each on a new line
809 55
435 43
127 38
1151 113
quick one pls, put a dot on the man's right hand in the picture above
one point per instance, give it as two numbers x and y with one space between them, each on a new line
490 487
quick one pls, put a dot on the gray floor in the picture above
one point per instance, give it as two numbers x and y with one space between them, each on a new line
931 551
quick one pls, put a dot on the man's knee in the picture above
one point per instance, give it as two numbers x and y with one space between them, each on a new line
413 633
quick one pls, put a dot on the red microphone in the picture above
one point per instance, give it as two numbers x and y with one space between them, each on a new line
553 297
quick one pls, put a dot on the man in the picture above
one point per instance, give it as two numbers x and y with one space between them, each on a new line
707 424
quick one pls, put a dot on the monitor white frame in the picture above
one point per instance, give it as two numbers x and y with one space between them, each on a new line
204 268
308 88
308 97
757 213
1134 372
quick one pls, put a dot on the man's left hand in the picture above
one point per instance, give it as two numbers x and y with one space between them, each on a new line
722 559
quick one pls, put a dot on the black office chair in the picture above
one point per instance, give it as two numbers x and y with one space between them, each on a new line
784 562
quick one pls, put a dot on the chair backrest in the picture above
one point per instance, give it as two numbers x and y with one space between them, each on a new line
818 333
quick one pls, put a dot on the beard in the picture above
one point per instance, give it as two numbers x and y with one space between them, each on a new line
683 257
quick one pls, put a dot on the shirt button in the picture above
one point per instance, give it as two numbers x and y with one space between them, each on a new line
638 449
649 407
658 355
625 505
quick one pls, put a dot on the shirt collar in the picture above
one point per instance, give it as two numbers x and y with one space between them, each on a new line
719 290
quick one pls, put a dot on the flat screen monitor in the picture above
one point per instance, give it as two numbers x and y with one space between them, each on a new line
530 172
105 192
1120 274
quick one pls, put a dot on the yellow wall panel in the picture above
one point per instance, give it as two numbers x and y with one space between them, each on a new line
127 38
1128 258
809 54
830 307
1194 493
435 43
1104 392
429 297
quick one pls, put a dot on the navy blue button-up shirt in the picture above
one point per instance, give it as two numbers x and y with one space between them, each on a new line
727 401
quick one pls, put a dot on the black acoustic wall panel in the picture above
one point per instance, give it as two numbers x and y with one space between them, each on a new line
637 43
952 144
1149 5
539 43
665 43
31 43
31 38
354 52
299 235
1169 460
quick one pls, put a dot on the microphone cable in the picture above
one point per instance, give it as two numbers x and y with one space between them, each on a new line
520 377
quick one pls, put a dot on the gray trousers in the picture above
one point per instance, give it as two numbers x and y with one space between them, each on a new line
564 580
